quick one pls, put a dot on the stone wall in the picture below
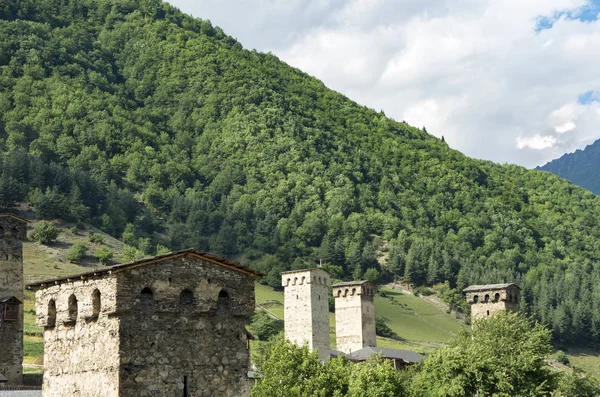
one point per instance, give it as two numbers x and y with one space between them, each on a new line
188 335
81 350
12 232
306 309
354 316
487 302
175 327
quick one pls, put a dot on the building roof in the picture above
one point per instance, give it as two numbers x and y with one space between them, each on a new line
147 261
304 270
488 287
365 353
8 215
351 283
10 299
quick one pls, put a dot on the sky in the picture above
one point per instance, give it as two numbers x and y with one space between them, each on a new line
512 81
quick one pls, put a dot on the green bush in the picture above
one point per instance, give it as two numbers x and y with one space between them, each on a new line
264 326
77 251
45 232
104 255
561 357
382 329
96 238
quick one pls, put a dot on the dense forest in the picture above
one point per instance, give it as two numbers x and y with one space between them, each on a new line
160 129
580 167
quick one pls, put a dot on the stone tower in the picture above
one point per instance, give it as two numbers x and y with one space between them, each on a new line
354 315
485 300
13 230
306 313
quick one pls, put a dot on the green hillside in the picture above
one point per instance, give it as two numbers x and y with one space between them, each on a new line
160 129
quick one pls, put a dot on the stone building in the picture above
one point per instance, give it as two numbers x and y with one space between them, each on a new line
354 315
306 309
13 230
486 300
171 325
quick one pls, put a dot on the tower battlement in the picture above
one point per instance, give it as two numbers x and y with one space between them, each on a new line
485 300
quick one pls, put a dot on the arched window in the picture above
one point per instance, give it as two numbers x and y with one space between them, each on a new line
51 313
295 280
486 298
96 303
302 281
186 298
488 312
223 300
73 309
497 297
475 298
146 295
353 291
339 293
346 292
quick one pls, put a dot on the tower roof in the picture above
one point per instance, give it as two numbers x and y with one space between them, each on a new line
304 270
8 215
353 283
488 287
143 262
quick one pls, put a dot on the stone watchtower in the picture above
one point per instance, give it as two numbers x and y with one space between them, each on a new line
354 315
485 300
306 313
13 230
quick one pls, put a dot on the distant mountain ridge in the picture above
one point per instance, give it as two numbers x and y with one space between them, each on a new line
581 167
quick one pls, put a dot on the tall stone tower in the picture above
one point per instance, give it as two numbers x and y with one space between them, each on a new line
306 310
354 315
485 300
13 230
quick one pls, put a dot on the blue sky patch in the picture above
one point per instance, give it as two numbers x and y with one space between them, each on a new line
586 13
589 97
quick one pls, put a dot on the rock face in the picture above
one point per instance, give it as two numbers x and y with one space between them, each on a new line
13 230
172 325
485 300
306 309
354 315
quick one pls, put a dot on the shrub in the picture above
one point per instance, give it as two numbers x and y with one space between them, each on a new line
263 326
45 232
104 255
382 329
561 357
77 251
96 238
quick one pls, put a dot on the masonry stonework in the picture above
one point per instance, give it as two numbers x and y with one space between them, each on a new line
354 315
485 300
172 325
306 309
13 230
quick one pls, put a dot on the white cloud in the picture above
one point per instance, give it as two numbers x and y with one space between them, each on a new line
475 71
536 142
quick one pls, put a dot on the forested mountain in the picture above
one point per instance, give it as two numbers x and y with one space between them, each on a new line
581 167
159 128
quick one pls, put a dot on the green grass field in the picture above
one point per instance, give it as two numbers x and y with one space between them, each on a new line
419 324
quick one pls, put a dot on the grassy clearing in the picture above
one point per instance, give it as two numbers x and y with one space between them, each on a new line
419 324
585 358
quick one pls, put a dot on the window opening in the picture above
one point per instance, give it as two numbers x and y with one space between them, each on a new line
486 298
51 313
96 303
73 310
476 299
497 297
186 298
185 387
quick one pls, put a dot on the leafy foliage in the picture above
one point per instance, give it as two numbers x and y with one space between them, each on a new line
160 129
76 252
104 255
502 355
292 371
46 232
264 326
